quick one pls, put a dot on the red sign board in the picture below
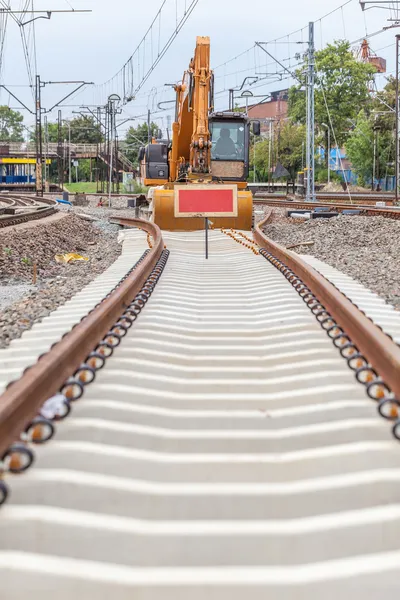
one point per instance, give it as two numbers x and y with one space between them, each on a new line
206 201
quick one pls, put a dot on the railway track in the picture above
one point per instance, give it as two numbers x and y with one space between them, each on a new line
387 212
24 209
360 196
364 199
226 447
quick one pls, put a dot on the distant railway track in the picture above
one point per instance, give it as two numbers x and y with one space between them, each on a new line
354 198
223 433
24 209
387 212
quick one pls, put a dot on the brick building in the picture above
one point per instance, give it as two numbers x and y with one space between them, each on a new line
275 108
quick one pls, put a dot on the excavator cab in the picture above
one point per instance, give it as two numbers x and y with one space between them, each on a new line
154 166
230 138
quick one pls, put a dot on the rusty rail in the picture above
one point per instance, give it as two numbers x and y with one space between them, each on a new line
32 212
21 401
387 212
33 215
381 352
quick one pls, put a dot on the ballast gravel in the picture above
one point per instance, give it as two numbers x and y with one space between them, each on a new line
365 248
56 283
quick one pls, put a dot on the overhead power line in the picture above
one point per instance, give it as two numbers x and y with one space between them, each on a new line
27 15
286 36
149 52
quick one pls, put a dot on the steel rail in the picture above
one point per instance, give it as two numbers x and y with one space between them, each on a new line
387 212
32 215
23 398
34 209
381 352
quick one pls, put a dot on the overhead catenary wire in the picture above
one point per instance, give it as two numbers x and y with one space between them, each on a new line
252 63
26 6
140 65
291 34
3 29
248 62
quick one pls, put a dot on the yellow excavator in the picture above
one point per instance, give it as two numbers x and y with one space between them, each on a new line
209 152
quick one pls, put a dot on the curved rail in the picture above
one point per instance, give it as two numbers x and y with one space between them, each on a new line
24 397
382 353
34 208
41 213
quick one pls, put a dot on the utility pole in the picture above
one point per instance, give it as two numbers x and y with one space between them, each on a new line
112 100
378 186
328 150
310 152
46 153
254 161
38 121
374 163
39 140
397 170
98 162
231 100
42 14
393 6
69 150
60 167
149 126
116 157
270 154
376 156
69 153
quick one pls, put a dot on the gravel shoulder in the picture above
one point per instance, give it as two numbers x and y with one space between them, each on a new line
365 248
21 302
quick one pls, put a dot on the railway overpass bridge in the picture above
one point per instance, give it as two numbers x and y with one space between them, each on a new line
21 150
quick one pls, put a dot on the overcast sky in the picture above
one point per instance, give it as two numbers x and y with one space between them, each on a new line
94 46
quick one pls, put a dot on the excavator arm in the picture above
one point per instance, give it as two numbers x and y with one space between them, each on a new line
207 148
201 76
191 144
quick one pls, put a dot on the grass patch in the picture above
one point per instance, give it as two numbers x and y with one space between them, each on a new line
85 187
82 187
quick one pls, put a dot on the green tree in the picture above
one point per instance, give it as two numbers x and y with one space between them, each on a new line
84 130
261 160
11 125
290 152
287 148
137 137
360 148
341 84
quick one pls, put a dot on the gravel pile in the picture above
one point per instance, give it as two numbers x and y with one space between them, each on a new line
119 208
56 283
21 248
366 248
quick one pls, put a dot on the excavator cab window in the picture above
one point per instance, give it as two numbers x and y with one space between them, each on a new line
228 141
230 138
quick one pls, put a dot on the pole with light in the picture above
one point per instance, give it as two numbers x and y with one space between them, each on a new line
112 102
68 123
247 94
